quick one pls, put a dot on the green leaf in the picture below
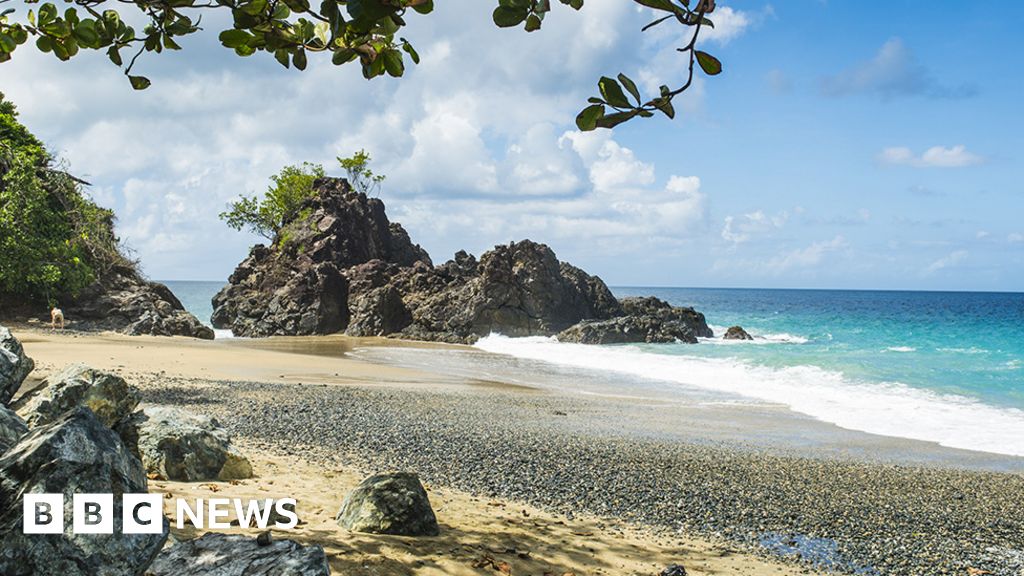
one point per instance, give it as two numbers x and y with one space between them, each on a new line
587 119
299 59
47 13
507 17
425 8
613 120
234 38
298 5
708 63
44 44
532 23
413 54
658 5
612 92
282 57
7 44
139 82
114 56
393 62
631 86
665 105
85 33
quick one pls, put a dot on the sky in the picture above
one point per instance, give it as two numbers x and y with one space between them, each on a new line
842 146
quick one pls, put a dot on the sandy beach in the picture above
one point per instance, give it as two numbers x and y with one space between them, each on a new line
552 482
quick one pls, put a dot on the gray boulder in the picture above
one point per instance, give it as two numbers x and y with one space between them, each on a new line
737 333
106 394
215 554
645 319
76 454
12 429
14 365
394 504
174 444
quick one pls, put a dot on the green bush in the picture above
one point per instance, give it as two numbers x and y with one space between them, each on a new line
54 241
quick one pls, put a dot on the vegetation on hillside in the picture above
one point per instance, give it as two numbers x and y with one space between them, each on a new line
54 241
288 189
366 31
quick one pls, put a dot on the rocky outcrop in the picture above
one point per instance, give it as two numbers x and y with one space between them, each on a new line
106 394
123 301
174 444
737 333
12 429
76 454
389 287
394 504
647 320
296 286
215 554
15 366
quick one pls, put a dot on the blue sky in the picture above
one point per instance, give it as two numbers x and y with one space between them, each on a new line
841 148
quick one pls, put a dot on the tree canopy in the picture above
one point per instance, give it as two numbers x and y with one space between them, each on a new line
54 240
363 31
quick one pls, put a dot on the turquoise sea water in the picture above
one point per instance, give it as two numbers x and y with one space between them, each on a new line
946 367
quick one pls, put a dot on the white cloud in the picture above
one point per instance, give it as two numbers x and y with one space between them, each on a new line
893 72
739 229
935 157
807 257
1015 237
948 261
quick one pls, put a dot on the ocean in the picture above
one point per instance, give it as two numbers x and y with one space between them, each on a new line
945 367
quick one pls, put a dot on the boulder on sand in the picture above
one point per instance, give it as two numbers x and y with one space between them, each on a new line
215 554
175 444
76 454
395 504
106 394
14 365
12 429
737 333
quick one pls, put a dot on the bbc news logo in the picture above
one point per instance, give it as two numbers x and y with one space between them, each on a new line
143 513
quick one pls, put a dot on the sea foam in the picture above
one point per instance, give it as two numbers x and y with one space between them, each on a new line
889 409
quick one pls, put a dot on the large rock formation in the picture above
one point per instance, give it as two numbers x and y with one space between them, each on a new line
395 504
232 555
74 455
297 285
14 365
340 265
123 301
174 444
106 394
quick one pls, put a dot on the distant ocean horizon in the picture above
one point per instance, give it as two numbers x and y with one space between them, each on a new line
946 367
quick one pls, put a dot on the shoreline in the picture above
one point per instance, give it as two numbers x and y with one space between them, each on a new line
579 455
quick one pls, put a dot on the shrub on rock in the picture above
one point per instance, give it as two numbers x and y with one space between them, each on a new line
394 504
14 365
106 394
76 454
175 444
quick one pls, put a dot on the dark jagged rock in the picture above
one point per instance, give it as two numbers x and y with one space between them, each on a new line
296 285
122 301
737 333
106 394
389 286
174 444
673 570
393 504
12 429
74 455
215 554
15 366
645 320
